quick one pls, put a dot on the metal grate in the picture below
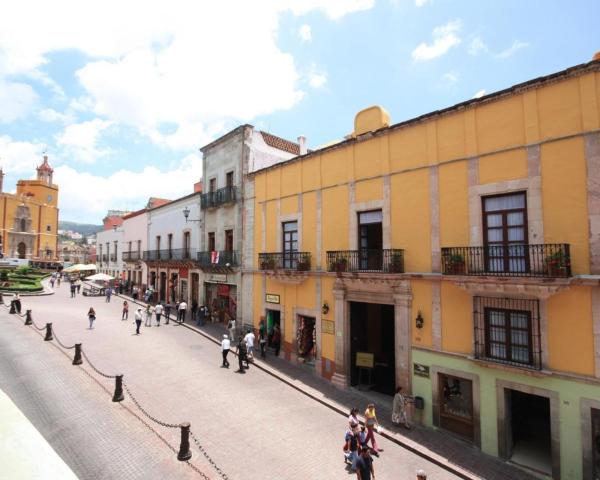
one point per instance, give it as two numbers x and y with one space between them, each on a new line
299 261
366 260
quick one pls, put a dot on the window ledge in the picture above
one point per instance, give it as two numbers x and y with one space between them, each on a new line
532 372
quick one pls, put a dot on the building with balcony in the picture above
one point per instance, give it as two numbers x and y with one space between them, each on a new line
29 228
109 245
457 255
225 164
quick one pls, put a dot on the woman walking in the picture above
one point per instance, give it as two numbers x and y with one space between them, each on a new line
91 317
353 421
399 409
125 315
148 322
17 302
371 422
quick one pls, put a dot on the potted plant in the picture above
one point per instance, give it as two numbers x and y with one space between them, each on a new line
396 263
340 264
267 263
456 264
303 264
557 264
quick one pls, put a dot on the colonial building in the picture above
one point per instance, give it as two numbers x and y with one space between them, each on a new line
456 254
30 218
109 245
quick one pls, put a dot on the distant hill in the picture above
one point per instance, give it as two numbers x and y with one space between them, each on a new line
83 228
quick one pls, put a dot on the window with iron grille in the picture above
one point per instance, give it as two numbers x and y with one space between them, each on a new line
507 330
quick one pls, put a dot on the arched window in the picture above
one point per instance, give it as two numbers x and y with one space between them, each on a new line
23 224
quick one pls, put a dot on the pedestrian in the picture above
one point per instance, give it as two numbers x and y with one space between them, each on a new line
158 312
182 310
121 287
353 421
201 314
262 340
73 288
352 446
276 339
125 314
194 310
91 317
78 286
241 353
52 280
134 292
231 328
58 281
138 320
225 346
372 423
108 293
167 312
364 465
399 409
17 301
148 322
249 339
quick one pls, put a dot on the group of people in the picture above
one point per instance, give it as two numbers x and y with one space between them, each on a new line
154 311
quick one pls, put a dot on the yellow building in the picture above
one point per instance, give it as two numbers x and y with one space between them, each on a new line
29 228
457 255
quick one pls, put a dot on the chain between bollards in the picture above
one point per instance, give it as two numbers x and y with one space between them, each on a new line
48 336
118 395
77 359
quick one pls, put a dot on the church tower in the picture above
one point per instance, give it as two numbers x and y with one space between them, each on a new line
45 171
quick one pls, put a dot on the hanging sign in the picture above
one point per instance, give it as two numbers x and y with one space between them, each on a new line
421 370
271 298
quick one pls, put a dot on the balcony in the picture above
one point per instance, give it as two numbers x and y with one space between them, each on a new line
366 260
174 254
293 261
113 257
105 257
552 260
219 197
216 259
131 256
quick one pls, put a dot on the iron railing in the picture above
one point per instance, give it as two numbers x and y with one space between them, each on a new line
221 258
218 197
172 254
298 261
113 257
105 257
131 256
524 260
366 260
507 330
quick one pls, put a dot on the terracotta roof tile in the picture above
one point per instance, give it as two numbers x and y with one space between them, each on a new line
281 143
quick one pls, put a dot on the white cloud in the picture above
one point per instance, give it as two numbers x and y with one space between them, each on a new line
19 157
305 33
510 51
317 80
334 9
81 140
51 115
477 46
479 94
16 100
420 3
444 38
450 78
90 196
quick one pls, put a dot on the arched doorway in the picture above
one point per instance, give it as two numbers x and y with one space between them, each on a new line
21 249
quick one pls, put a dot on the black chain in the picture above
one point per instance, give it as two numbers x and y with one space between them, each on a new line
155 420
94 368
60 343
38 328
221 473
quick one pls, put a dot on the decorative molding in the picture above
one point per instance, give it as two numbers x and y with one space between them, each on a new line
499 288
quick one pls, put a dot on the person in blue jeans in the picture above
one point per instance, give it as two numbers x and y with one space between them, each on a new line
364 465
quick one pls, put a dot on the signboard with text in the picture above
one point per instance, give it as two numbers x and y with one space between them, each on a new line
271 298
365 359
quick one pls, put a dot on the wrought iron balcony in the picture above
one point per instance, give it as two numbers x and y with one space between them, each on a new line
174 254
131 256
298 261
551 260
219 197
113 257
221 258
105 257
366 260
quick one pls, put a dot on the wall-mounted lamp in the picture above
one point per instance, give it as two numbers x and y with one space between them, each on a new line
325 308
419 320
186 214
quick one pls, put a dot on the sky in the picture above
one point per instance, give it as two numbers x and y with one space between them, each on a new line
122 94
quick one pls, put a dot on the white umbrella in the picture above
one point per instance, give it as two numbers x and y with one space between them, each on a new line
79 267
100 276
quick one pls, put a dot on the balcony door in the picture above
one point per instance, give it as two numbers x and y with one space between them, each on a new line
290 244
505 233
370 240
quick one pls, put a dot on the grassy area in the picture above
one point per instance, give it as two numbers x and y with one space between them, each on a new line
22 279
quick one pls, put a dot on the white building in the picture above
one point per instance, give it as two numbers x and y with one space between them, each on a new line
108 251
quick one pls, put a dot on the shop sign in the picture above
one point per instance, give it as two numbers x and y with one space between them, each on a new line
271 298
365 359
216 278
223 290
421 370
183 272
328 326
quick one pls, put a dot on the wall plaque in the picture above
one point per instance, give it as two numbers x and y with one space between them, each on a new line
365 359
328 326
421 370
271 298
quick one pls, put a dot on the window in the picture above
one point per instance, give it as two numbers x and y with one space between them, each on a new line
212 185
507 330
129 247
370 240
229 240
23 225
456 404
211 241
290 244
48 228
505 232
186 244
157 243
139 246
229 179
170 244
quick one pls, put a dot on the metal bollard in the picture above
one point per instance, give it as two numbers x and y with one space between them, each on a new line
184 447
12 307
77 359
421 475
28 319
48 336
118 396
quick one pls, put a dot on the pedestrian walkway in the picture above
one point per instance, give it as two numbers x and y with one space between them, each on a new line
24 452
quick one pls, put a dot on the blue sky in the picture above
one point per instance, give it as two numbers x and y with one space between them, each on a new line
122 95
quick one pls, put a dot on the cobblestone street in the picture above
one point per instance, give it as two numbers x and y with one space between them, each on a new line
253 426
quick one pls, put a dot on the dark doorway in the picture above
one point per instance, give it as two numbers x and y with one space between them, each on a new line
372 333
163 286
21 250
529 435
370 240
595 443
306 336
195 286
273 319
456 405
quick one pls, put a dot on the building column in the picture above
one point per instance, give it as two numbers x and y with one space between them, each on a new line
342 331
402 332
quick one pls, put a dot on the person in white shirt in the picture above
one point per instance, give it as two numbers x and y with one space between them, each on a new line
158 312
225 346
182 309
138 320
249 339
149 311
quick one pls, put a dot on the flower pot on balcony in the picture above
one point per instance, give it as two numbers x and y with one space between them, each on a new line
340 265
267 264
456 265
557 265
302 266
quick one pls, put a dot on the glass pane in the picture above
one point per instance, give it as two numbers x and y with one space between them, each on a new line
519 320
497 350
505 202
516 234
514 218
516 265
290 226
494 220
496 318
497 334
520 354
495 235
457 397
370 217
516 250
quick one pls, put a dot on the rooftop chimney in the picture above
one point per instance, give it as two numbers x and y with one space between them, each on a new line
302 143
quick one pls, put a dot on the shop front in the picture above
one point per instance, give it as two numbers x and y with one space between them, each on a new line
221 299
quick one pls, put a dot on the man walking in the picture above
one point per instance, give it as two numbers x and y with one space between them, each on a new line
73 287
108 293
158 312
182 310
241 353
167 312
364 465
225 346
249 339
78 285
201 313
138 320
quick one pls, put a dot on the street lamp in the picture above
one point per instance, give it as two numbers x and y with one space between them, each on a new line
186 214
